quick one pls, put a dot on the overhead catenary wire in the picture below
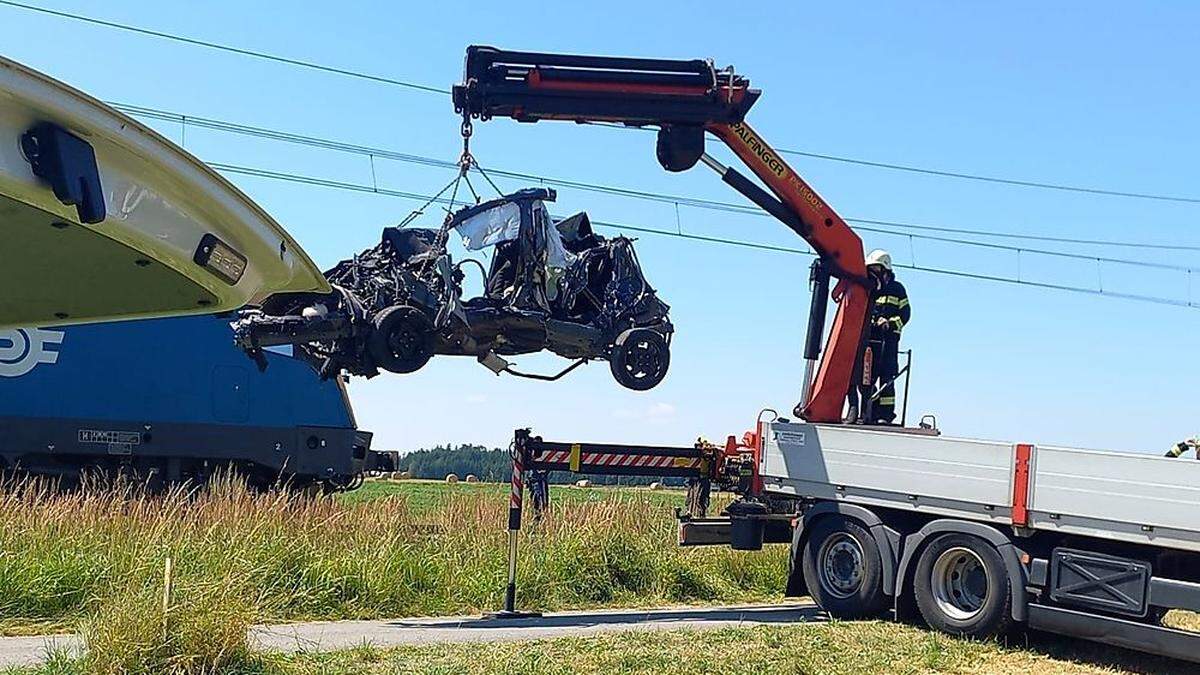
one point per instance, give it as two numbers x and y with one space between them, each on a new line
991 179
323 182
174 37
1032 237
866 225
676 200
384 153
416 86
355 187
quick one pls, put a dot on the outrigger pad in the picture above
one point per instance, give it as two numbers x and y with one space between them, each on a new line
551 285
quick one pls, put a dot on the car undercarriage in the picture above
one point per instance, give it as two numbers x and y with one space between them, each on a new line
551 285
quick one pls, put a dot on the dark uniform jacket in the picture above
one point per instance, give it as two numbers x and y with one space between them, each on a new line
891 303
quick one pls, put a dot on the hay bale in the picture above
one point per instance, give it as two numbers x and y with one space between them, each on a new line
472 478
451 478
583 482
404 475
656 485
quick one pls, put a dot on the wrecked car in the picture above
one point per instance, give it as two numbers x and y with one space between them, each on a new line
555 286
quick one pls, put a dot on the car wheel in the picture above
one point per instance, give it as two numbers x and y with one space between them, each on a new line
843 569
640 358
962 587
402 341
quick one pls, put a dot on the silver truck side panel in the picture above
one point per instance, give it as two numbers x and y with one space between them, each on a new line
1119 496
1140 498
921 473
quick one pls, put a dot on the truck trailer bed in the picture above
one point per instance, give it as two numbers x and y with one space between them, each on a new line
1129 497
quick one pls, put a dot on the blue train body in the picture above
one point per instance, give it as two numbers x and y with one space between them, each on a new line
171 397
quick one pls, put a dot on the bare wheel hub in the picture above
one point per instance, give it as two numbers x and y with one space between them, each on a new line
405 342
960 583
842 565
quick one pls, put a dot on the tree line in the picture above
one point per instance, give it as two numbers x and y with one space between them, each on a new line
493 465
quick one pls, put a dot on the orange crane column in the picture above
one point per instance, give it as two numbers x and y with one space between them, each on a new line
839 247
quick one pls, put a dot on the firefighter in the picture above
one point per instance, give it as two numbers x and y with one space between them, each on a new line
890 313
1183 446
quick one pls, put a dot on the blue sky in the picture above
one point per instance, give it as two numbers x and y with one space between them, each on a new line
1099 94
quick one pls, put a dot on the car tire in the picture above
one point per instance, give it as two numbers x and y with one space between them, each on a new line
402 341
961 587
843 569
640 358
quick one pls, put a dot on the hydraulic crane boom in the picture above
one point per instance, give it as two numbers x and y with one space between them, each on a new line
685 99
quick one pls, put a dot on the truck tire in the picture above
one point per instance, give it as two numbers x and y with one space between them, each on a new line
961 587
843 569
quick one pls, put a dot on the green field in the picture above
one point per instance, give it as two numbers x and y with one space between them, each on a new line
430 495
858 647
95 562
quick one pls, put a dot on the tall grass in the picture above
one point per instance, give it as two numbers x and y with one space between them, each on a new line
95 559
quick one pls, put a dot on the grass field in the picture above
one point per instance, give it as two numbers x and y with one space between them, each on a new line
423 496
857 647
95 562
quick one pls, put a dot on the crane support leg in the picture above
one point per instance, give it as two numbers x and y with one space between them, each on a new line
520 459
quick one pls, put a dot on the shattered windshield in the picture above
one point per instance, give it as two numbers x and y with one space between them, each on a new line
502 223
490 227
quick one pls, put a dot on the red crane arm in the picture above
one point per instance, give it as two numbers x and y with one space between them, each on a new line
685 99
839 247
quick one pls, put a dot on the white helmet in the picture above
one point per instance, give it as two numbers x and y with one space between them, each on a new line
880 257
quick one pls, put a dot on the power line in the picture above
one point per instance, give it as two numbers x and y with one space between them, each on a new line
439 90
865 224
943 173
355 187
1038 251
994 179
383 153
1033 237
322 182
227 48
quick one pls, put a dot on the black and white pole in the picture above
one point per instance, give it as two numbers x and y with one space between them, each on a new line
520 456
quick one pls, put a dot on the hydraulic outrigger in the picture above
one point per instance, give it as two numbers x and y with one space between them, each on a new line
686 100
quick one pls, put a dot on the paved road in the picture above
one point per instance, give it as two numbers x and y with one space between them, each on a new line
29 651
330 635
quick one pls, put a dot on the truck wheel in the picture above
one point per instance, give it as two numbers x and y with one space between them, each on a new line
962 588
640 358
402 341
843 570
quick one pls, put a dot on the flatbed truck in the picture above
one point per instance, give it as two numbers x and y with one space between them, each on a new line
975 538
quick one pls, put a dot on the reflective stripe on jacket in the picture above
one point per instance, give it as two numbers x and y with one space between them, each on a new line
892 304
